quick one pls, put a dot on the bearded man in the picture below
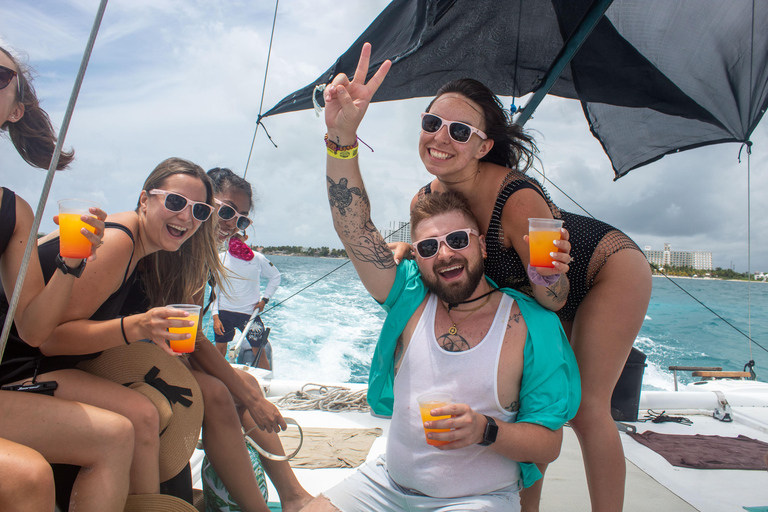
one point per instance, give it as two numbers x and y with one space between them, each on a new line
504 359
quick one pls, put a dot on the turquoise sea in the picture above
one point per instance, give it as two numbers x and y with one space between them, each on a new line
327 331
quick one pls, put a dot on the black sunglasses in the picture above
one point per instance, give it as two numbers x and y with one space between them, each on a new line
176 202
456 240
460 132
6 75
226 212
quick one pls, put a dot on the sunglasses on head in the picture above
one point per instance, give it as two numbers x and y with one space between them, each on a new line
6 75
176 202
226 212
460 132
456 240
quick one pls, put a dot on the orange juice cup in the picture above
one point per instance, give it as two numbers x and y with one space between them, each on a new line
185 346
541 236
430 401
72 243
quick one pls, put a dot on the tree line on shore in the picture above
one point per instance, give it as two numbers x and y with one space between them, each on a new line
294 250
717 273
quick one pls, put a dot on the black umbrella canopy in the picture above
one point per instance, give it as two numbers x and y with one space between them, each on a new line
654 77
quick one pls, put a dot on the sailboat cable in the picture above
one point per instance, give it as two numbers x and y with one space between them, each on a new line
263 88
749 188
32 240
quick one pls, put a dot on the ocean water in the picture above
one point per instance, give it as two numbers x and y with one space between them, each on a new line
327 331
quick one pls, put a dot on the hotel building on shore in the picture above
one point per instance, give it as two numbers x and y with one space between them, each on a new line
398 231
699 260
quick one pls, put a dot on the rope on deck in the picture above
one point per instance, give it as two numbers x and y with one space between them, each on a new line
325 398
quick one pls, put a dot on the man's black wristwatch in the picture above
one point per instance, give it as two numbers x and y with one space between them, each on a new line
491 431
65 269
265 300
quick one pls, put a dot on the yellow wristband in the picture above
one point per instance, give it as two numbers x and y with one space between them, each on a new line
344 154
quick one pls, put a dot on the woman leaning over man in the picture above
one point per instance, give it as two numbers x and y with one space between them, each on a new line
37 429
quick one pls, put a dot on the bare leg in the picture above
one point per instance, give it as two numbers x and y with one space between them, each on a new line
225 446
27 482
83 387
99 441
292 495
222 347
606 325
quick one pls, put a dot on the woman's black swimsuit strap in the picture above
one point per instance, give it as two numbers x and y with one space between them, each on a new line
110 308
21 361
8 216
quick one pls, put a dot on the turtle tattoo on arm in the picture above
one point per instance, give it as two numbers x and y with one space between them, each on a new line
340 196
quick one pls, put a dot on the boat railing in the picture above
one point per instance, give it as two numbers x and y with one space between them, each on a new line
709 372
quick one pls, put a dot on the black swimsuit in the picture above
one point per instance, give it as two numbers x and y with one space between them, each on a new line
22 361
592 242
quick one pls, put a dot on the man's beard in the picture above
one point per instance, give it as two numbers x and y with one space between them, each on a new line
458 291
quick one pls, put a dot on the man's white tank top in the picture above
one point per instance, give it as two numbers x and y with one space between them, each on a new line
471 378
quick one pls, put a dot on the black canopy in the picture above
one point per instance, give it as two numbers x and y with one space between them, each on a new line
654 77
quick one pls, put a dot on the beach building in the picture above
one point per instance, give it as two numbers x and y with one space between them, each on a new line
699 260
398 231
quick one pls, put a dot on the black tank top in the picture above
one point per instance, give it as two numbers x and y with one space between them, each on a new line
22 361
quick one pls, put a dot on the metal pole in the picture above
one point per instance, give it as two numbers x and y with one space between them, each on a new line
49 177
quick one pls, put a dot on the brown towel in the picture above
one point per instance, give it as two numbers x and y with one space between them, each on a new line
706 452
330 447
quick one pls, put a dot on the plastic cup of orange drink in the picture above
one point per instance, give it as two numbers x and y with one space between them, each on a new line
72 243
541 236
188 345
427 402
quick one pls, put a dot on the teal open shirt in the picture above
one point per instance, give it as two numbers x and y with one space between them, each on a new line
550 390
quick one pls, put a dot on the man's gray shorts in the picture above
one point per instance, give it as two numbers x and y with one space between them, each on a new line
371 489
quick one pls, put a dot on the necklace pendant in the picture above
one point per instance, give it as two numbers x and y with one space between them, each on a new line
452 331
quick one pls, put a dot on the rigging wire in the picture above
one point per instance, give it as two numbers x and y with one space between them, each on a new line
263 88
32 240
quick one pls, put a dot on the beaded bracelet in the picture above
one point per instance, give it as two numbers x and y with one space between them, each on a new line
341 152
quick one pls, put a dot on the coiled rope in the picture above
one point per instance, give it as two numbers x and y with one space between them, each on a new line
325 398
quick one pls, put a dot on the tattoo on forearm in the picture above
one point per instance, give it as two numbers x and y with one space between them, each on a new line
559 290
453 342
340 195
380 257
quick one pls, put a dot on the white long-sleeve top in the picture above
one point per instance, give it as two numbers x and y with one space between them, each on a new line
243 291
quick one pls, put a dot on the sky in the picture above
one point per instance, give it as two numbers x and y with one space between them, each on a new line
184 78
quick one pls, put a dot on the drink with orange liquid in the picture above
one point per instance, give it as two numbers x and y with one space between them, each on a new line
430 401
188 345
72 243
541 236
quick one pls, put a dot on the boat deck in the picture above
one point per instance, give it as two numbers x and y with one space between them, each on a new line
652 483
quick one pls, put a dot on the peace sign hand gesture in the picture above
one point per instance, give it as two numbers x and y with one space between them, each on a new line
346 102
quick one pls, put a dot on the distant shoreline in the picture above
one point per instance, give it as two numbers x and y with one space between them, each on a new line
710 279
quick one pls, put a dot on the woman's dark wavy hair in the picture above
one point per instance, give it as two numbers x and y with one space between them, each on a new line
33 134
224 179
512 148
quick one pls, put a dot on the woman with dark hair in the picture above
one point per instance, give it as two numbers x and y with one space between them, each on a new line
37 429
600 281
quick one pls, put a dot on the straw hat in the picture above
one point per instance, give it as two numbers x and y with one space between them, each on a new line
156 503
170 386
